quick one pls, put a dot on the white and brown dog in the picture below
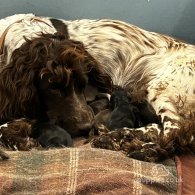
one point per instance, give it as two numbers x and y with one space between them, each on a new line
135 59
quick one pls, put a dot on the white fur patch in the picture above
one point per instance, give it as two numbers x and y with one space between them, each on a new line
149 143
168 127
4 125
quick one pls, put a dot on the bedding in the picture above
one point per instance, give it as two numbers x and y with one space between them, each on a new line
84 171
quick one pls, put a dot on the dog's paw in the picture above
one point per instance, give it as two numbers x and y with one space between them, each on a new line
145 155
149 152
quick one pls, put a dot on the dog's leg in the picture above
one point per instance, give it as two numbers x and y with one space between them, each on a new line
153 142
165 108
177 132
167 141
141 143
144 143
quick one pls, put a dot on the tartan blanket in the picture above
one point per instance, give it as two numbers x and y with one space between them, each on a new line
83 171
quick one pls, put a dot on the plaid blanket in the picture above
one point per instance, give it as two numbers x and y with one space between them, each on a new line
83 171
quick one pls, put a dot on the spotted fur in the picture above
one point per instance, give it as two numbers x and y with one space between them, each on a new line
134 58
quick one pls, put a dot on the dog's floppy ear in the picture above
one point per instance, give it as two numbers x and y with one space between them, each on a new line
17 90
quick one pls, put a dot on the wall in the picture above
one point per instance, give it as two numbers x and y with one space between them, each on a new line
173 17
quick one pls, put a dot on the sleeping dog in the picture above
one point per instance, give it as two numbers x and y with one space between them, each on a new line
98 53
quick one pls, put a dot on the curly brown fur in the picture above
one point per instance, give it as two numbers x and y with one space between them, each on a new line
16 134
50 73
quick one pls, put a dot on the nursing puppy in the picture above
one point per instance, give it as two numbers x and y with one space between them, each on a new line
124 113
146 113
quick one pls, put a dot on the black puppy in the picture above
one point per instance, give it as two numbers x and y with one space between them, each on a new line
123 112
147 113
50 135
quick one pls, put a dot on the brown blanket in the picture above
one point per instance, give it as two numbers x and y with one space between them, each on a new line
83 171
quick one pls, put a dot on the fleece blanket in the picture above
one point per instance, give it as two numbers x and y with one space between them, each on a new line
84 171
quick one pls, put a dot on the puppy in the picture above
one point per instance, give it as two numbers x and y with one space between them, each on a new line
50 135
124 113
147 113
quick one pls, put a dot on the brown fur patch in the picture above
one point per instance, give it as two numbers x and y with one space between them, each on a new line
16 135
